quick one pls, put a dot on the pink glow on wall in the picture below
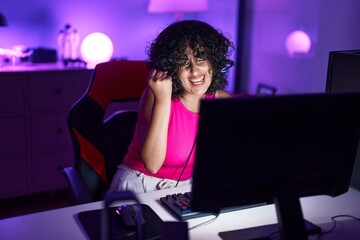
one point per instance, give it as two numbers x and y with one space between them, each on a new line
158 6
177 6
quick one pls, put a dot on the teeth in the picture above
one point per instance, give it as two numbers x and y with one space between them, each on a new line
197 81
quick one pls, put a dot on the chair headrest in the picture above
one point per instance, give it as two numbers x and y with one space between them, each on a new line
117 81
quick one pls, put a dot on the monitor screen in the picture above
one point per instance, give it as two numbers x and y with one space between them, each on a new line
344 76
343 71
251 148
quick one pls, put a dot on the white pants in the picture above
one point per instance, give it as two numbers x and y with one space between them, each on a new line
128 179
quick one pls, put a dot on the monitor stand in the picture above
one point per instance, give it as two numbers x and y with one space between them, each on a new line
291 224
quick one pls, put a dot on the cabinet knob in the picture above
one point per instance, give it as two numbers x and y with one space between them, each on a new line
58 91
59 130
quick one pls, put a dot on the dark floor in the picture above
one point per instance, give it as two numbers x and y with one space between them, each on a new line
12 207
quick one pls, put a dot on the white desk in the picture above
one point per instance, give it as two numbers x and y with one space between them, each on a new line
61 223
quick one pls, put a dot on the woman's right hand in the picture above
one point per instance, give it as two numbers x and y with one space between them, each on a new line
161 84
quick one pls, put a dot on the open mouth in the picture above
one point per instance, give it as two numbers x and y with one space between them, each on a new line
198 81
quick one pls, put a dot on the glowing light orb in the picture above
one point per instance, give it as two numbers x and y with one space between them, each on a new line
96 48
298 42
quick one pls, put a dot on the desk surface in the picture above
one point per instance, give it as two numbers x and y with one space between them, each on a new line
62 224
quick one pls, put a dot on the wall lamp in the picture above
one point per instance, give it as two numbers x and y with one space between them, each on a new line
298 42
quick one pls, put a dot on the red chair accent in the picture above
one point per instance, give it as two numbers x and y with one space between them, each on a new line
99 144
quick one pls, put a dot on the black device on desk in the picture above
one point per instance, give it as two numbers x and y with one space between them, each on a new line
130 214
274 149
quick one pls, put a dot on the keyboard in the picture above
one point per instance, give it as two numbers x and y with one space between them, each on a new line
179 205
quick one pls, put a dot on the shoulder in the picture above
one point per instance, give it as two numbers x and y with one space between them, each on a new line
222 94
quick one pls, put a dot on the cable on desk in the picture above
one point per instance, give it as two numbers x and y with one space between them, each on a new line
206 222
335 224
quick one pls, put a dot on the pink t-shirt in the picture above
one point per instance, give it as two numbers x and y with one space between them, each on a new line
182 130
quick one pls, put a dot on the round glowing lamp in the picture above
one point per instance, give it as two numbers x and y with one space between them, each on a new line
96 48
298 42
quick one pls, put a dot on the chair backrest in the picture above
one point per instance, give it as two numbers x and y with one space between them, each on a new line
99 144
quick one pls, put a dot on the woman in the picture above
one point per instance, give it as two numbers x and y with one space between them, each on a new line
188 62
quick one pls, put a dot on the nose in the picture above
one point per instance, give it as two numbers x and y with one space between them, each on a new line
194 68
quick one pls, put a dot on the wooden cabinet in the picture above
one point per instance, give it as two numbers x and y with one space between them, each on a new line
34 138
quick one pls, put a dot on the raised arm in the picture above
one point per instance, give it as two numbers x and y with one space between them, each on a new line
154 114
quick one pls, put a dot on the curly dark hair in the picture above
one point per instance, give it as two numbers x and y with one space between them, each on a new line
167 51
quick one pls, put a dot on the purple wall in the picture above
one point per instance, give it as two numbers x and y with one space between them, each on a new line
331 24
127 22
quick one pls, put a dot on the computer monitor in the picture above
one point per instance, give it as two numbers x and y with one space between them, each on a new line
275 149
343 73
344 76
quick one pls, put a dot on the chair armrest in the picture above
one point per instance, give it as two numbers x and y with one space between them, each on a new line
79 193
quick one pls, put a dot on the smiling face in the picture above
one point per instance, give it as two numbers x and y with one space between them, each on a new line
195 72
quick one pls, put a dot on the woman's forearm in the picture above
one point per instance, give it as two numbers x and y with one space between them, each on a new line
153 149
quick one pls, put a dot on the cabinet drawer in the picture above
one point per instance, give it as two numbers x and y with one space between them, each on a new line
45 173
11 93
55 89
12 135
14 177
49 132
